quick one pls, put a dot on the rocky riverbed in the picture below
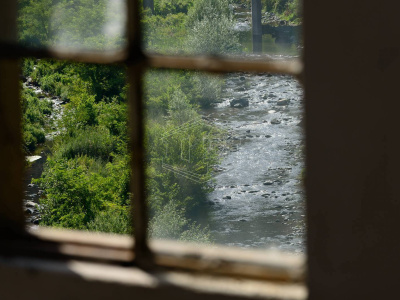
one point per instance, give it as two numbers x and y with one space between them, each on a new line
36 162
258 200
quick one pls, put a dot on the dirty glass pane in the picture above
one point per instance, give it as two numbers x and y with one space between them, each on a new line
75 141
225 159
271 28
77 24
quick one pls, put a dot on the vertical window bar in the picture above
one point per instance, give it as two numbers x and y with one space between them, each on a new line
135 73
11 158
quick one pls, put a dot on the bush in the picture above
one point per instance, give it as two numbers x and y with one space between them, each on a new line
166 7
83 192
112 220
164 35
94 142
207 89
35 117
211 28
171 223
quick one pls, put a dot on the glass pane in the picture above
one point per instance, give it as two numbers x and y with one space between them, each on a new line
75 142
225 159
82 24
224 27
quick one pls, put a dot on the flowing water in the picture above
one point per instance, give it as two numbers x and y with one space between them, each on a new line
258 199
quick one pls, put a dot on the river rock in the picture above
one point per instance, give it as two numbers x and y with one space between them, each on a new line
301 123
227 197
29 211
268 183
30 204
283 102
239 103
275 122
32 158
36 220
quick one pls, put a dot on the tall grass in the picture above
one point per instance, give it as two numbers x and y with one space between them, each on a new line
92 141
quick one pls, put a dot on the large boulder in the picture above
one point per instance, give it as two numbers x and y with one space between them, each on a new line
283 102
239 103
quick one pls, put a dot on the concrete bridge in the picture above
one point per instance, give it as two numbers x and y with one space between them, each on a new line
282 34
149 4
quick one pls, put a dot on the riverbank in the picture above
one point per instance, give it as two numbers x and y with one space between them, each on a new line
36 161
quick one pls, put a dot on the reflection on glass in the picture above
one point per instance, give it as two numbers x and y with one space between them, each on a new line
224 159
223 27
82 24
75 143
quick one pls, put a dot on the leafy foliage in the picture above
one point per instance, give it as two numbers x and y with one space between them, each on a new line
86 179
71 23
35 114
168 7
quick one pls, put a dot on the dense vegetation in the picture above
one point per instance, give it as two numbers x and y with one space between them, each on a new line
86 179
36 114
289 10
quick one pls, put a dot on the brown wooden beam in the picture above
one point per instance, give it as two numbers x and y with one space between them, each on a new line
11 158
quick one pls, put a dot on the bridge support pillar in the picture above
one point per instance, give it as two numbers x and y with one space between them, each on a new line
256 25
148 4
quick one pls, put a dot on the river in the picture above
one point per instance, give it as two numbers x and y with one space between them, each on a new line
258 200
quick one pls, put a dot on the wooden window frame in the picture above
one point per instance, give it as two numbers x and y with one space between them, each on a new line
284 273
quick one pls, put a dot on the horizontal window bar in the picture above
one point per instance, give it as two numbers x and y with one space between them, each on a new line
259 264
104 57
202 63
256 264
137 282
225 65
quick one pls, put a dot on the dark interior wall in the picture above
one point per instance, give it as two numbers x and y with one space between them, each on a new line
352 111
352 60
11 160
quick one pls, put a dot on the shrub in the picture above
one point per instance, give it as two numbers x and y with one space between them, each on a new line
211 28
171 223
84 192
34 119
94 142
112 220
166 7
